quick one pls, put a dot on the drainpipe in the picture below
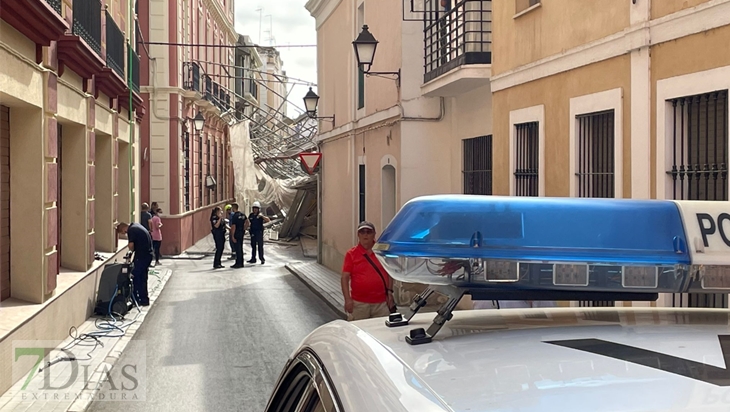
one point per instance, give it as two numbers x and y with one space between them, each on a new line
131 116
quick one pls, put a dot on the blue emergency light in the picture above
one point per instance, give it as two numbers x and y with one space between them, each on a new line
530 243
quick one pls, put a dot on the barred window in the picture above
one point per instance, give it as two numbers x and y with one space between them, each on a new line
200 170
596 155
527 159
186 170
477 167
699 143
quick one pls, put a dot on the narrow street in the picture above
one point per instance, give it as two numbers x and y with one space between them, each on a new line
217 340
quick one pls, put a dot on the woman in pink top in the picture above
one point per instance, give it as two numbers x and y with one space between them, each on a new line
157 234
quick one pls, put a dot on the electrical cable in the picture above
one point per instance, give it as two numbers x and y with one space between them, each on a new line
226 46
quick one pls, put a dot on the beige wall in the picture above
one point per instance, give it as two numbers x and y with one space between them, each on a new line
341 159
339 167
384 20
335 65
661 8
556 26
555 93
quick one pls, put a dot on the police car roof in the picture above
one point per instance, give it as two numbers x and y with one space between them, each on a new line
552 359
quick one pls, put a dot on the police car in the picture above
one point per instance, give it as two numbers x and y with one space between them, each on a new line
638 358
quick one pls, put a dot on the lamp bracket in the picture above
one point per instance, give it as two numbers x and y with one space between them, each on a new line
380 74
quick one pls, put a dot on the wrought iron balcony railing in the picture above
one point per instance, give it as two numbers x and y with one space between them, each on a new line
87 22
56 5
208 92
191 79
457 37
135 70
114 46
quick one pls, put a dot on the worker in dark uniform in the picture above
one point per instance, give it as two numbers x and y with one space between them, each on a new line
140 242
257 220
239 224
218 229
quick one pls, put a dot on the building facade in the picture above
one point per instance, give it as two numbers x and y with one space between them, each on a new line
396 137
189 71
249 72
70 111
632 102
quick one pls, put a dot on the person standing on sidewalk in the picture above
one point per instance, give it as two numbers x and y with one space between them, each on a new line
218 228
229 218
140 243
156 223
257 220
146 217
239 224
365 283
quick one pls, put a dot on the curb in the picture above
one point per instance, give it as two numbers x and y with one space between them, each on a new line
313 287
86 397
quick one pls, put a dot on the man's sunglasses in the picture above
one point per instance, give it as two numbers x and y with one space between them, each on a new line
366 231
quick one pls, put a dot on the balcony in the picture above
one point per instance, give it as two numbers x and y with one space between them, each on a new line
81 50
203 86
135 71
457 48
114 46
191 76
39 20
87 22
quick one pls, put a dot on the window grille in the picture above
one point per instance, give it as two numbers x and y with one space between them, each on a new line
207 168
595 168
215 172
699 144
186 170
527 160
477 168
200 170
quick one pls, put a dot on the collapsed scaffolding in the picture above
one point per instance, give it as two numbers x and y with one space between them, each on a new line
265 148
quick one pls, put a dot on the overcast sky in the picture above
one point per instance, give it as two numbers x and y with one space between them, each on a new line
288 23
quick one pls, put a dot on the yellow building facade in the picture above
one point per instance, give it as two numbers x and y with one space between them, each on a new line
69 125
624 99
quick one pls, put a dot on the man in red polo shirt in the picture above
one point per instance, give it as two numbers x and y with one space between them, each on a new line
365 283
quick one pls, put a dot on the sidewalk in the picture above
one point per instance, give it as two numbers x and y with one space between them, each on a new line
322 281
73 393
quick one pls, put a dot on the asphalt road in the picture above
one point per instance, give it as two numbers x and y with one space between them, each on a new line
217 340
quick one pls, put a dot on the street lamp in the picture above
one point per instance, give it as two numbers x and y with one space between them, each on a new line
365 46
199 122
311 100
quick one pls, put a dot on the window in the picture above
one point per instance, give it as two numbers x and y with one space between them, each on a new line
216 176
186 170
200 169
595 165
361 176
208 155
360 74
477 167
360 88
527 160
291 391
595 160
699 163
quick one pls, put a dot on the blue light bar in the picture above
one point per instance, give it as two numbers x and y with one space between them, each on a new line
538 229
595 245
